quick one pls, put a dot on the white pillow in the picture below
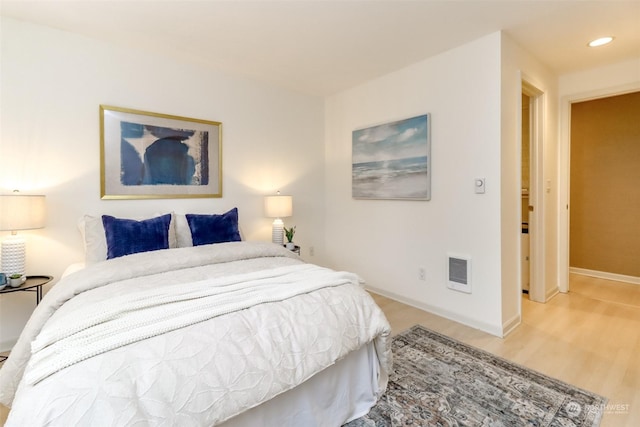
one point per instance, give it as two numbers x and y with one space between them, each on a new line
183 232
95 240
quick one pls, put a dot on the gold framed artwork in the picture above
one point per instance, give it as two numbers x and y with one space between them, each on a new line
146 155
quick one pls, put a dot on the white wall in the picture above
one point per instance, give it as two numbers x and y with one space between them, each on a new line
596 82
52 84
386 242
519 65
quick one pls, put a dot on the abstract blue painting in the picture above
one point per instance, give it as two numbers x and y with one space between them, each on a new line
392 160
149 155
155 155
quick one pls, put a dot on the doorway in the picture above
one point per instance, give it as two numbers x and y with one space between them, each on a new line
604 237
525 181
531 206
565 184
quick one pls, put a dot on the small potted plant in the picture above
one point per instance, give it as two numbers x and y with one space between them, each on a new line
289 232
15 280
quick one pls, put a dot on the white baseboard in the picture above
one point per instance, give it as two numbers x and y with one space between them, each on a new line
604 275
551 293
511 324
496 330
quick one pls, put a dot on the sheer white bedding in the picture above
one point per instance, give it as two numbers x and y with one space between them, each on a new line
282 358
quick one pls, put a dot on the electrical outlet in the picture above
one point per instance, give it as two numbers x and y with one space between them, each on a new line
422 275
312 251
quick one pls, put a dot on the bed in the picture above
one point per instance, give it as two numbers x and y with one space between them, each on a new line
228 333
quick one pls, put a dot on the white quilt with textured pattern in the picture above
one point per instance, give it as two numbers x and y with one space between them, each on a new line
203 373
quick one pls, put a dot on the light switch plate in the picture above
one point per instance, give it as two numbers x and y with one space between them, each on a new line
479 185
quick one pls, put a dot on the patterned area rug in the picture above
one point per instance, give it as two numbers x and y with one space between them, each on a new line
438 381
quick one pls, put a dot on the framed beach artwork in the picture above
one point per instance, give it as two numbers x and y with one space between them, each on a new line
147 155
393 160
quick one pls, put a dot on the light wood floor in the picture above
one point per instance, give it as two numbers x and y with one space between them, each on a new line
589 338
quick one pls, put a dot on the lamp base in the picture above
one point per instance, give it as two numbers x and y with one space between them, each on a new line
277 232
13 255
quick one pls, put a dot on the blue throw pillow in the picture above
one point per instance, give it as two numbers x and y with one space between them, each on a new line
208 229
128 236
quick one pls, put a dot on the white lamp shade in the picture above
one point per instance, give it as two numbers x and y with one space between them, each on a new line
278 206
20 212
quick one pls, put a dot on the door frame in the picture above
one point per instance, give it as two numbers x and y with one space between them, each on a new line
536 189
564 207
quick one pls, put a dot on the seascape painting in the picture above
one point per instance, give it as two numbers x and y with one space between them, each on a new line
151 155
392 160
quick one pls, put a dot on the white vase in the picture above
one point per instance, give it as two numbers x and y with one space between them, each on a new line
290 245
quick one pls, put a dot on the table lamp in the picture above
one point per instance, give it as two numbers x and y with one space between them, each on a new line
278 207
18 212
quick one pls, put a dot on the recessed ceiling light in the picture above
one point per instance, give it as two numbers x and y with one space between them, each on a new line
601 41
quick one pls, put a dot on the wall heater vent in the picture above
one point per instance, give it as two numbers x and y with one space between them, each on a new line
459 273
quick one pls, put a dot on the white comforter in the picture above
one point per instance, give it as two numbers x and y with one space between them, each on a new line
200 374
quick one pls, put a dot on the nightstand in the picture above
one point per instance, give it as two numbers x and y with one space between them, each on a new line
295 249
32 284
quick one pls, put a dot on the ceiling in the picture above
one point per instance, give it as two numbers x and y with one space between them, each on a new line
322 47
